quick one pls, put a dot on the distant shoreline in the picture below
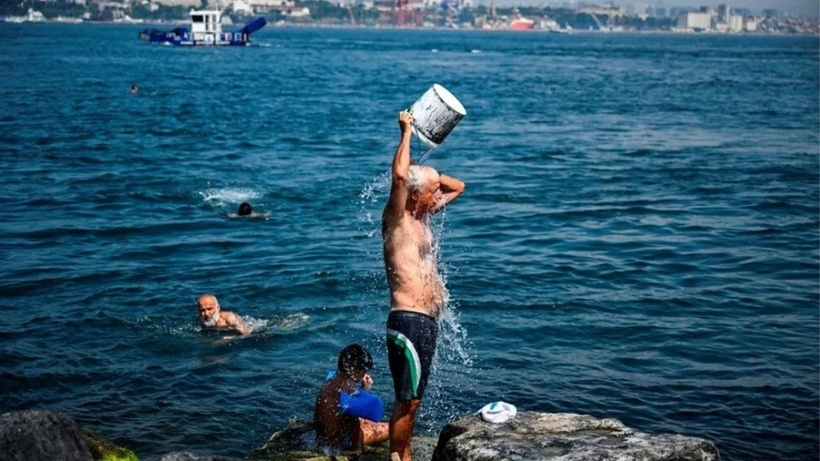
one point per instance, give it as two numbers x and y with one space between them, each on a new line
183 22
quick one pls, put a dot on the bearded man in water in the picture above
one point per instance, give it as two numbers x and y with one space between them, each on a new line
212 317
416 289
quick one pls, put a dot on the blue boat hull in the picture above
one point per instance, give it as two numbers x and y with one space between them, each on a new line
181 36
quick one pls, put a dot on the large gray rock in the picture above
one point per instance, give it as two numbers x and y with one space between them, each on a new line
185 456
532 436
41 436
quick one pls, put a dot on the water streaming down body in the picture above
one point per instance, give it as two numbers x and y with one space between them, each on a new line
453 358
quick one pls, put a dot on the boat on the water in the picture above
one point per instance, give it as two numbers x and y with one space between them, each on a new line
206 30
522 24
519 22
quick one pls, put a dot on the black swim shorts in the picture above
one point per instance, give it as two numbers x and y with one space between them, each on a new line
411 344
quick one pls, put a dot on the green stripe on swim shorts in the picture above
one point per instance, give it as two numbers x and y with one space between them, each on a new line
410 353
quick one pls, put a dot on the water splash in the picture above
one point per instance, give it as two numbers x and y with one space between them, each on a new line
376 189
228 196
453 342
454 357
288 322
372 196
254 324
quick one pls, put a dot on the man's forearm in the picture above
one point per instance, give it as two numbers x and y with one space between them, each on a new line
401 159
450 184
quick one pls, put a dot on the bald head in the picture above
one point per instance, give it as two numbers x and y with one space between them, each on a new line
207 300
208 310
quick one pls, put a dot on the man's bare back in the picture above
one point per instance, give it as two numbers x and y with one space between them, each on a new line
341 430
334 429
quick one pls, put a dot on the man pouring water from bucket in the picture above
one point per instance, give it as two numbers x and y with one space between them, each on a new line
417 293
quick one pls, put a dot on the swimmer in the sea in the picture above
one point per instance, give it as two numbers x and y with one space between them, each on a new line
134 88
212 318
246 211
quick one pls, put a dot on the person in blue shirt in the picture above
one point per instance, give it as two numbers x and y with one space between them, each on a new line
346 414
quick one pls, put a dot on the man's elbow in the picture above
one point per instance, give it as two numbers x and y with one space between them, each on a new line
399 177
457 187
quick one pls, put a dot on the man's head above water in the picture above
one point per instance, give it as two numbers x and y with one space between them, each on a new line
208 310
245 209
212 317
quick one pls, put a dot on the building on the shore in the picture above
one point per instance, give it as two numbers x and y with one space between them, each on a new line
723 13
190 3
606 10
695 20
281 12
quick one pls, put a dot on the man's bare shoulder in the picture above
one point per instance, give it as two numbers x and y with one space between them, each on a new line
392 221
228 315
325 390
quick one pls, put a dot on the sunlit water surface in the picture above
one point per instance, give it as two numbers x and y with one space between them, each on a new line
638 238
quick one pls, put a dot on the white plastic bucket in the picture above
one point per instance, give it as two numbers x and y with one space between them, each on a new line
436 113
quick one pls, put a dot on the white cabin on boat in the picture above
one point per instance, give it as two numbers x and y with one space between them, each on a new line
206 26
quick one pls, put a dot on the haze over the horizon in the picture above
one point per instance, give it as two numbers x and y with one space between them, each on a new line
810 8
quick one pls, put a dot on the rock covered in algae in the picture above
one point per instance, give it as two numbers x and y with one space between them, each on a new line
103 449
532 436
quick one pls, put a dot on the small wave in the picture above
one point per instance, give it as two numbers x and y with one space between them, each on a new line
167 327
434 50
293 321
225 196
475 51
286 323
255 325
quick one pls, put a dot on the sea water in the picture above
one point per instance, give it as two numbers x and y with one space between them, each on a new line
638 238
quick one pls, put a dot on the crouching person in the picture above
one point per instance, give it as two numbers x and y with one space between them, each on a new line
347 416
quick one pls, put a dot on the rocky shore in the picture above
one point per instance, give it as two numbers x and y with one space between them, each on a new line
530 436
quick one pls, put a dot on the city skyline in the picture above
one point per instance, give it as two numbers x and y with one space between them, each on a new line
803 7
806 8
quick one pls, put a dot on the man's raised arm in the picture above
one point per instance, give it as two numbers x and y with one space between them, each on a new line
401 166
451 189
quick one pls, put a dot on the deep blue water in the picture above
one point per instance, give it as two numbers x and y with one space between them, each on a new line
638 238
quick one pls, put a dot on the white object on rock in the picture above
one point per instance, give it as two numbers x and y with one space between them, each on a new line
498 412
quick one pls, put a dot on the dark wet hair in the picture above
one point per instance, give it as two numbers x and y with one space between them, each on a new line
245 209
354 358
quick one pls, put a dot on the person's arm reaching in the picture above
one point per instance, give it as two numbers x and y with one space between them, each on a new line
399 172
